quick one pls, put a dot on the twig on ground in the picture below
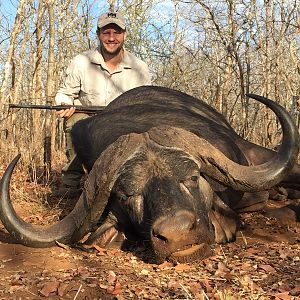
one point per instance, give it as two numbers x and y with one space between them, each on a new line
78 292
244 239
187 292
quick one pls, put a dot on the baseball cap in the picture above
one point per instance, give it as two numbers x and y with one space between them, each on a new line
111 18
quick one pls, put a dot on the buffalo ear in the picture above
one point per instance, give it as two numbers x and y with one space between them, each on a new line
224 220
206 192
101 179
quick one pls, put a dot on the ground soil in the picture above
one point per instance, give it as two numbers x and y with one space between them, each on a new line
263 263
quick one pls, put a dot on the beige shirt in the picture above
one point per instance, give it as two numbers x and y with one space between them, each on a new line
89 80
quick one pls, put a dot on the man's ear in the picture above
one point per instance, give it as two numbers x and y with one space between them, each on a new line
98 32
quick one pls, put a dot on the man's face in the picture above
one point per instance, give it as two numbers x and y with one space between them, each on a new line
111 39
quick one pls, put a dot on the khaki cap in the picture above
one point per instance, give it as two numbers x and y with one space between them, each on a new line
111 18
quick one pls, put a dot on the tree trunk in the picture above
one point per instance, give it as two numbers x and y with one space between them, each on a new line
50 127
9 65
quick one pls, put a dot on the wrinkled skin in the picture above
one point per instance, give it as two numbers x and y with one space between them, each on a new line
166 169
172 208
164 206
160 195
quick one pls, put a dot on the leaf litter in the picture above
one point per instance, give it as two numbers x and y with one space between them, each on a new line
263 263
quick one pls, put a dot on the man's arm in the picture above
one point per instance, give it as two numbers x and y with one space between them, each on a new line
148 79
71 84
69 89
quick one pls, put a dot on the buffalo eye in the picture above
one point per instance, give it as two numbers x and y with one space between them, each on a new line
191 181
124 198
194 178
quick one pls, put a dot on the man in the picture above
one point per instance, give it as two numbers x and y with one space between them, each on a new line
96 77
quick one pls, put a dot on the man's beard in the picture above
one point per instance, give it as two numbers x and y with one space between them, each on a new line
111 53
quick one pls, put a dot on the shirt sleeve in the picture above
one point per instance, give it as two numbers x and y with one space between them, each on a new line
146 76
148 79
70 87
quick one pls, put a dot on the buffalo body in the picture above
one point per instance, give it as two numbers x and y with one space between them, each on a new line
167 169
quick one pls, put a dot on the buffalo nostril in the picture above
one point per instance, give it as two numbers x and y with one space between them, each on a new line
192 226
159 236
174 228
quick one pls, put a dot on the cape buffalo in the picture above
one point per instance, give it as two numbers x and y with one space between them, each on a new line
164 168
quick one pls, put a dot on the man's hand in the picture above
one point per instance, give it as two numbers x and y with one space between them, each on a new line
65 113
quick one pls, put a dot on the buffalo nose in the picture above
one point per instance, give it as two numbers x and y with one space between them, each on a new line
174 228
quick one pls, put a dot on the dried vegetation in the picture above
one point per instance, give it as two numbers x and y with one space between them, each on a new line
263 263
214 50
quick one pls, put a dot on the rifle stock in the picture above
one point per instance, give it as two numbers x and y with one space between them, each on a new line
79 108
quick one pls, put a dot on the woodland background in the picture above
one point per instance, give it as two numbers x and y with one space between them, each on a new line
214 50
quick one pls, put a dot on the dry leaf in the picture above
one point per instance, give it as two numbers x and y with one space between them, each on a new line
283 296
210 266
119 297
83 272
195 288
62 289
218 297
118 289
112 277
114 290
165 265
100 251
173 284
222 270
144 272
267 268
49 287
283 254
61 245
295 291
138 291
103 286
110 289
246 281
182 267
199 296
206 286
246 267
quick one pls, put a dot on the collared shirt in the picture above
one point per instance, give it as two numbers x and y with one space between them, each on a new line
89 80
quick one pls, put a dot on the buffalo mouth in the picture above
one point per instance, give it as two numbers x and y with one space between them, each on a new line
186 252
190 253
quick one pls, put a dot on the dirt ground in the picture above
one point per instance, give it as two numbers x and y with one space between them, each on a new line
264 262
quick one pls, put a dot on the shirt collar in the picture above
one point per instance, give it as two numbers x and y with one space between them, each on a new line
97 58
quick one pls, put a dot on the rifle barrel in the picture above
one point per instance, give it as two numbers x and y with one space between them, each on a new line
58 107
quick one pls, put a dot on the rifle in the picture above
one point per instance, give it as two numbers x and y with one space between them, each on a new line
79 108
